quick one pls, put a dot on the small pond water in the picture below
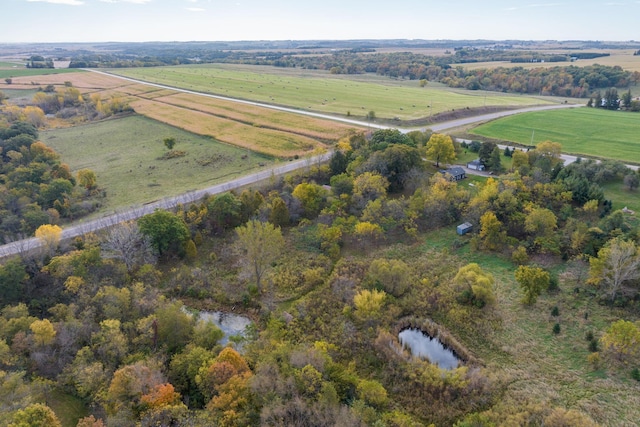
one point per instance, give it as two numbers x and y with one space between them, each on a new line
425 347
231 324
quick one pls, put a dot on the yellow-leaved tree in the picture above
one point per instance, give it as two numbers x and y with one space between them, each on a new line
49 236
440 148
369 303
622 340
43 332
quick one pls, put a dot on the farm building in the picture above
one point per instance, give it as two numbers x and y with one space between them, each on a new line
454 173
475 165
464 228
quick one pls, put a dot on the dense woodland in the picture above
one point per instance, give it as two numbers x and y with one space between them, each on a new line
328 264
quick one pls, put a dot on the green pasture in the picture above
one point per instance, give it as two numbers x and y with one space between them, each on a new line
581 131
126 154
20 72
324 92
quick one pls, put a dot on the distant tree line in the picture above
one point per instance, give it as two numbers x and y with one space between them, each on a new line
558 81
611 101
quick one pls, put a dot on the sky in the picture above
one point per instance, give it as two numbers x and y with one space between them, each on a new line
225 20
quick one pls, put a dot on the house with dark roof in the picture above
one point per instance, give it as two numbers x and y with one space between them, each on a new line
454 173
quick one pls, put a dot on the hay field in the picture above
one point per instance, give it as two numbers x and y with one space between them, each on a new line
323 92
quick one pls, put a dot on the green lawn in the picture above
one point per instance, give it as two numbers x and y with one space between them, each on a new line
618 193
125 155
581 131
321 91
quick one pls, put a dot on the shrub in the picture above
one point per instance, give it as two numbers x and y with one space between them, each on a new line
555 311
635 374
556 328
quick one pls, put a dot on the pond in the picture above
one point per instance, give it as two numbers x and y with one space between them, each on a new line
230 324
426 347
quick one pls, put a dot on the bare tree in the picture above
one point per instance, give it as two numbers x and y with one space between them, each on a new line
124 241
617 263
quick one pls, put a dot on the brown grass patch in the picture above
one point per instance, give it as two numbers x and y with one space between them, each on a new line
80 80
260 117
267 141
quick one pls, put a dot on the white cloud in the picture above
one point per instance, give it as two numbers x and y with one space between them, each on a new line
67 2
528 6
195 9
127 1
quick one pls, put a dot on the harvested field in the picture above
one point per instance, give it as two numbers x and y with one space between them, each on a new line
80 80
258 116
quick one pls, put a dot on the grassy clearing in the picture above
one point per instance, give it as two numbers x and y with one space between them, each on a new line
621 196
68 408
321 91
537 364
125 155
581 131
